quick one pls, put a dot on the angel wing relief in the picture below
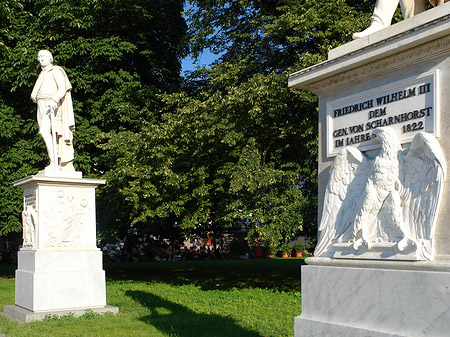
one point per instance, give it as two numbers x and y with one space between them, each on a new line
386 207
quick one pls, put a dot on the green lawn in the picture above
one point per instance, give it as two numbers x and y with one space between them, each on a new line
226 298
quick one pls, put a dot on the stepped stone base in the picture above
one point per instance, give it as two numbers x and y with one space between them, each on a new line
23 315
403 299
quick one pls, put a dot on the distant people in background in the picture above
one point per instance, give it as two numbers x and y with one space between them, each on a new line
203 253
113 255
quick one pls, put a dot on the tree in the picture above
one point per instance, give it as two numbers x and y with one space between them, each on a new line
214 160
237 144
273 175
119 55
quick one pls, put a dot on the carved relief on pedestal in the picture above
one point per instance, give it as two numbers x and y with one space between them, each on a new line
66 220
29 222
386 207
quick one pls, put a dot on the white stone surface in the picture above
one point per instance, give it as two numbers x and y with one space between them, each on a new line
426 26
409 106
22 315
409 49
59 267
443 266
355 301
59 212
384 11
51 172
56 280
384 207
359 296
52 93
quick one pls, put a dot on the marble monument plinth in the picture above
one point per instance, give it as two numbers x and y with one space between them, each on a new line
60 268
383 268
349 298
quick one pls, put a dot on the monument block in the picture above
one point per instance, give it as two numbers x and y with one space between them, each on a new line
59 265
382 263
60 268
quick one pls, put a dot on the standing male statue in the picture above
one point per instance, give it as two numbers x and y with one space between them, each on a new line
384 11
55 112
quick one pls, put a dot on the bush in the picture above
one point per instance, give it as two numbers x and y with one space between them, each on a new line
286 248
299 247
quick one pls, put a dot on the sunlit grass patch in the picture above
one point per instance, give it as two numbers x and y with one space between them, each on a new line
204 298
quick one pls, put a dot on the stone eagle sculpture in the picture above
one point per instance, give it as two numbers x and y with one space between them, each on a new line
388 204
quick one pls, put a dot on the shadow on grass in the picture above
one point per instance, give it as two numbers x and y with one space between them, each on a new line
177 320
276 274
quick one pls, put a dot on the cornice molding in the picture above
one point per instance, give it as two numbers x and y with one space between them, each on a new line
383 66
412 44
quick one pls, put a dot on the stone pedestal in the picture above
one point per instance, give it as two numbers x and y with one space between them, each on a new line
59 266
55 280
397 77
349 298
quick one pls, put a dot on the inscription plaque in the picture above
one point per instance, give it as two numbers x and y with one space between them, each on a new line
408 106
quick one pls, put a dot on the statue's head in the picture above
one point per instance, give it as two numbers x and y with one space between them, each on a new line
45 58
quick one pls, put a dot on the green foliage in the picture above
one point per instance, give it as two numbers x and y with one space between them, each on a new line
272 175
237 144
275 35
213 161
299 247
286 248
205 298
16 162
118 55
232 144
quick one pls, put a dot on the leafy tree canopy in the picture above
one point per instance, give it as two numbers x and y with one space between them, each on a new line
236 145
231 144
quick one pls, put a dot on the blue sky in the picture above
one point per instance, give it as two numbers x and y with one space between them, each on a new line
205 60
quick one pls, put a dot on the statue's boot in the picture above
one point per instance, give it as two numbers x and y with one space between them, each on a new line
381 18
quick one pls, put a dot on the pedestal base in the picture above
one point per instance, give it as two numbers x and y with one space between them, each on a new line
339 300
312 328
48 172
60 279
60 268
25 316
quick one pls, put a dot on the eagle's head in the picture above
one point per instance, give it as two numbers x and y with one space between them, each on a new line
387 137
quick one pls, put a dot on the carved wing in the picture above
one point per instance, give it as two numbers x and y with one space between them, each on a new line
422 174
348 176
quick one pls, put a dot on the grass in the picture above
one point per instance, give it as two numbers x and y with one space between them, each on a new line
254 298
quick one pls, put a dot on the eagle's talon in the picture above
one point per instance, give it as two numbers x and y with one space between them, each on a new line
358 243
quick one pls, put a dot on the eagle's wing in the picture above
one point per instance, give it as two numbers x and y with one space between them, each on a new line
348 176
422 174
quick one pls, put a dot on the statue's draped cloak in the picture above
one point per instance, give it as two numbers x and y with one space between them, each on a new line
65 120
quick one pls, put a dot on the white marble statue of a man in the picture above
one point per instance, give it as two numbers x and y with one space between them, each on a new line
55 112
384 11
